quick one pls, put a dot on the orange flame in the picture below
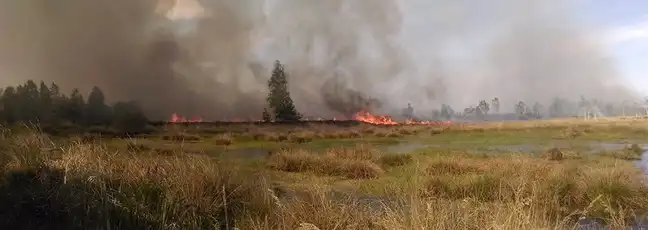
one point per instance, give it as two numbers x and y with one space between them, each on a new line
374 119
367 117
175 118
362 116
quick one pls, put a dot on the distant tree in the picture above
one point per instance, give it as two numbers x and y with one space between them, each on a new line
10 105
75 108
557 108
496 104
537 110
479 112
1 107
265 116
610 109
520 108
470 110
59 104
129 118
45 103
484 106
28 101
447 112
97 112
278 96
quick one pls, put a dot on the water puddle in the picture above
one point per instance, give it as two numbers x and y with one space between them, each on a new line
643 163
517 148
612 146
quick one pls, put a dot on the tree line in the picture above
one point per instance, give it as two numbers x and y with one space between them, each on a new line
559 107
46 105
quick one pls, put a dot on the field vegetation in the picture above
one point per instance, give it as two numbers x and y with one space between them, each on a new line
501 175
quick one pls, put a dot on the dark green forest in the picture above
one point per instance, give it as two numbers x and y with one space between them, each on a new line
52 110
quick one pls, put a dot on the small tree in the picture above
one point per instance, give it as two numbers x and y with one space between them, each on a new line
9 105
45 103
447 112
496 104
484 107
557 108
278 96
129 117
75 108
265 116
537 110
520 108
97 112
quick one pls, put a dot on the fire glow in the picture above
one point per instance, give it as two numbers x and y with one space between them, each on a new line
175 118
367 117
362 116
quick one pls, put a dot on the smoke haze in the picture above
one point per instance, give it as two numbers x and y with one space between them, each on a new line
215 64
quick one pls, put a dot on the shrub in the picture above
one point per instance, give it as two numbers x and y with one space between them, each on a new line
395 160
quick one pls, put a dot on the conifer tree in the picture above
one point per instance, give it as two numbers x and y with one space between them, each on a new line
28 101
76 107
45 103
265 116
278 96
9 105
97 112
59 103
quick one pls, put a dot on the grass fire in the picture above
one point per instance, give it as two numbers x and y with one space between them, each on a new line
95 166
385 115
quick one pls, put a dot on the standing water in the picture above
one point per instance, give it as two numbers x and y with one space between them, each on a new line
643 163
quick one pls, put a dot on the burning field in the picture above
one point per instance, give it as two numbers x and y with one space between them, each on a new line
363 116
355 160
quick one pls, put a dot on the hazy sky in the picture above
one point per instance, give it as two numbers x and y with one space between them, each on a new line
621 24
625 23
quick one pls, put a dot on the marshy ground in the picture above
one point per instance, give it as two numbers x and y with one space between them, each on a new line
555 174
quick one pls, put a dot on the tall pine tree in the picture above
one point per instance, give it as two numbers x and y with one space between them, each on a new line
59 104
45 103
9 105
28 101
97 113
75 108
278 96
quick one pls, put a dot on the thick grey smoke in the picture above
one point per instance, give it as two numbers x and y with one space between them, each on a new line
340 54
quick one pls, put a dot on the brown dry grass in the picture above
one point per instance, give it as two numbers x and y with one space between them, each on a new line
361 162
88 186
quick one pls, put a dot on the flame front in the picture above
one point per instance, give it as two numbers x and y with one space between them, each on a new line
362 116
367 117
175 118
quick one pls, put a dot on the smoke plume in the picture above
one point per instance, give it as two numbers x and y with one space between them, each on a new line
341 56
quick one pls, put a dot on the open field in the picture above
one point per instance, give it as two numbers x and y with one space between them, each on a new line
498 175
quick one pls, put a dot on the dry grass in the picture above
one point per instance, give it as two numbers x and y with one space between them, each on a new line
223 139
181 137
554 154
631 152
547 194
81 185
290 134
355 163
